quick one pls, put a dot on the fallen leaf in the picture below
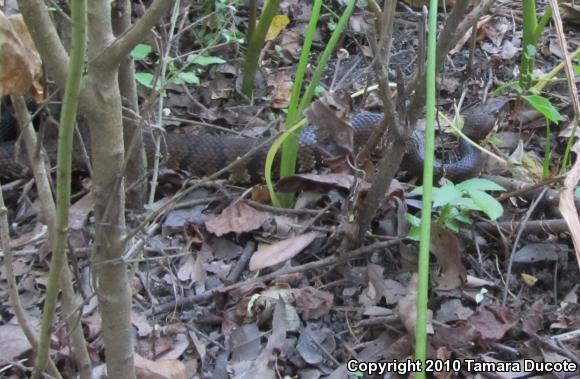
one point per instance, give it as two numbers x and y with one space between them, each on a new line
459 45
278 24
171 369
280 251
533 318
493 322
456 337
331 113
20 61
540 252
237 218
280 84
446 247
407 308
322 183
452 310
312 303
13 342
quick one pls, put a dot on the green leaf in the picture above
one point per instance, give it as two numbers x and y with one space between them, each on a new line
446 195
577 69
543 105
451 225
515 85
145 79
417 191
490 206
141 51
413 220
464 218
189 77
414 233
467 203
204 60
531 51
479 184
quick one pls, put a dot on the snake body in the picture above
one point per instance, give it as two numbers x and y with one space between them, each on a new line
204 154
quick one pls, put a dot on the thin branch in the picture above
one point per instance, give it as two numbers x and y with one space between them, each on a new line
17 307
123 45
46 39
64 159
286 270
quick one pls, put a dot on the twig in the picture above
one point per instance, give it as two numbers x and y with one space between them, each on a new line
516 243
123 45
242 262
164 64
330 261
567 206
17 307
535 226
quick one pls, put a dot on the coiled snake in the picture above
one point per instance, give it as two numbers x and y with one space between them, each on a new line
204 154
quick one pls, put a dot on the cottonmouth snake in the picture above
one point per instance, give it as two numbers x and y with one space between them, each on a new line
204 154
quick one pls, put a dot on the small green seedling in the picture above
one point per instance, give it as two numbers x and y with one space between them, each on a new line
184 75
551 114
452 204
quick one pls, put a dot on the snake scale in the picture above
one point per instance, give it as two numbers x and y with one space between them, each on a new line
204 154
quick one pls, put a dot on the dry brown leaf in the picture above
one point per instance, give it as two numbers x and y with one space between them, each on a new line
570 13
407 308
237 218
458 336
331 113
192 270
568 208
170 369
445 246
493 322
20 60
280 84
13 342
459 45
322 183
311 303
280 251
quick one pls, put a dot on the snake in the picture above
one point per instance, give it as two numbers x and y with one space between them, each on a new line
204 154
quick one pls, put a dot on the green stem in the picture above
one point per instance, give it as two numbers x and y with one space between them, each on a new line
63 176
547 152
255 45
290 149
252 10
293 110
425 233
528 39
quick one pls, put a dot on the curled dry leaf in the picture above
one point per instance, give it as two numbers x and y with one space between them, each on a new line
312 303
280 251
445 246
13 342
331 113
318 183
170 369
20 60
280 86
568 208
407 308
493 322
238 218
482 21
